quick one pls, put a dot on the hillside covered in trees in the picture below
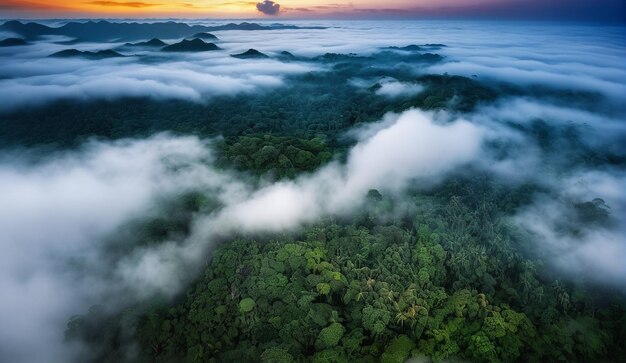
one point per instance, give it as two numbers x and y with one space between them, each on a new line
405 202
452 279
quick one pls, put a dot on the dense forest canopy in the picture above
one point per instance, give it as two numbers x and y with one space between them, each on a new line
373 206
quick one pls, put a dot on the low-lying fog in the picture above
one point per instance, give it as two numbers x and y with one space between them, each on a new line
57 209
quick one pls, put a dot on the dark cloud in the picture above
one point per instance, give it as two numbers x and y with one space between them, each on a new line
268 7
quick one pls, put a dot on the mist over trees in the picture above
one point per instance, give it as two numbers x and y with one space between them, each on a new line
336 200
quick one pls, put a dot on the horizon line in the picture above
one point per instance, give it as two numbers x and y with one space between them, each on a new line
276 19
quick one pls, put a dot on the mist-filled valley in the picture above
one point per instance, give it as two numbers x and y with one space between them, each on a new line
312 191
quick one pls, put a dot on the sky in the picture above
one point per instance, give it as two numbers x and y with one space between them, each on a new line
577 10
85 196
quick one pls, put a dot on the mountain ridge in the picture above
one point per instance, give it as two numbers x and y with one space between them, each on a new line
129 31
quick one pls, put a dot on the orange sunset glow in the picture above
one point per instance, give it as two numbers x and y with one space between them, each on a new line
527 9
208 8
225 8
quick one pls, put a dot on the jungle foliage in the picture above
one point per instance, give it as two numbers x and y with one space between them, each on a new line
451 278
278 156
441 274
313 104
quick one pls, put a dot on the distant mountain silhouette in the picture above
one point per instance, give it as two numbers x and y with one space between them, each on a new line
336 57
435 45
427 57
72 53
382 56
194 45
205 36
12 42
111 31
250 54
410 48
27 30
286 56
150 43
417 48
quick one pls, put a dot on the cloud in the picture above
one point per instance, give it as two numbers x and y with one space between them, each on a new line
577 58
388 87
391 88
328 7
126 4
305 10
396 11
82 196
568 168
79 198
13 5
603 131
195 78
268 7
592 253
538 75
408 147
75 198
590 64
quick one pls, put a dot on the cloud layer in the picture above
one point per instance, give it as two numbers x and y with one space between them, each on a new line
408 147
196 78
75 198
84 196
268 7
572 57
